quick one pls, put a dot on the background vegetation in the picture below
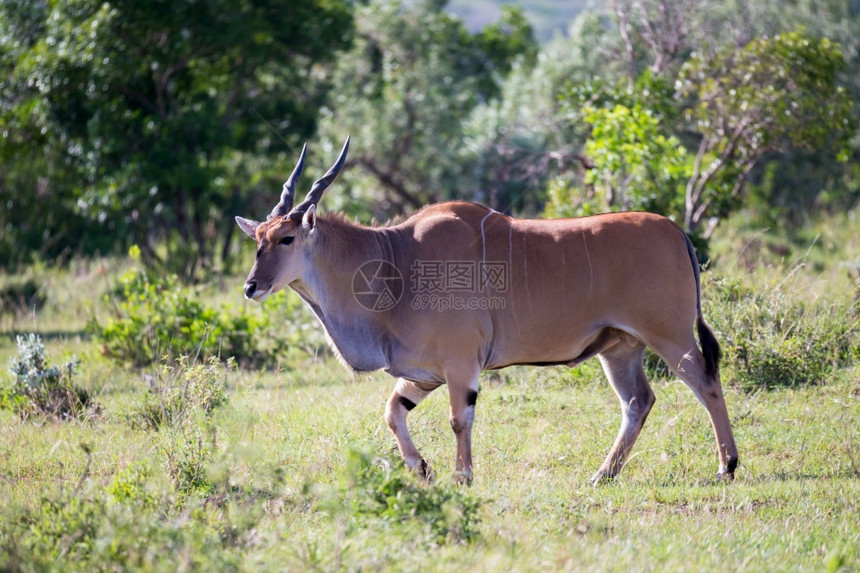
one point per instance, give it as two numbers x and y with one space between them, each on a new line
151 418
156 133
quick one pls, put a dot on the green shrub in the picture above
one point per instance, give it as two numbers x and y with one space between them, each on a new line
387 491
130 486
772 338
188 452
40 389
178 390
90 528
157 317
177 398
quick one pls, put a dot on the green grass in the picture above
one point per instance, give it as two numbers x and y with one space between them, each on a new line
280 489
281 446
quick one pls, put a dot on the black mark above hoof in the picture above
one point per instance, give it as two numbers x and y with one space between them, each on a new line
424 472
732 465
725 476
728 473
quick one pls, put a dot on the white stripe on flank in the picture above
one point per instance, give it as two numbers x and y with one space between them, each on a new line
484 236
590 270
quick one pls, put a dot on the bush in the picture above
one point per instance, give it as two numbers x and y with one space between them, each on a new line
175 399
188 453
40 389
772 338
181 389
157 317
379 489
119 527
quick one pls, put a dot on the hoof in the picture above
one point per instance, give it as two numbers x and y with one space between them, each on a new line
723 475
602 477
727 473
424 472
463 477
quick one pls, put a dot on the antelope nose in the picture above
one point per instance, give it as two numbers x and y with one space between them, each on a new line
250 287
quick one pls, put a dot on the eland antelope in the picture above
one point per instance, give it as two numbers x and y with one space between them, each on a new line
458 288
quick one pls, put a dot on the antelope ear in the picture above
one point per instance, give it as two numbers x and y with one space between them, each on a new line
309 219
248 226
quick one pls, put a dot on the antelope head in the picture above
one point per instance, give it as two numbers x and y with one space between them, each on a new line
283 237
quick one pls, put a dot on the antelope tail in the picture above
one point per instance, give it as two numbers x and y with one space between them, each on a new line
707 340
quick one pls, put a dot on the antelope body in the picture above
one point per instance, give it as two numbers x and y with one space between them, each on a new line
540 292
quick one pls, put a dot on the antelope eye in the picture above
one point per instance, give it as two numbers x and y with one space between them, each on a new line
286 241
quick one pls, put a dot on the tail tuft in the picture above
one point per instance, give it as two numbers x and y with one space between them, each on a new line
710 348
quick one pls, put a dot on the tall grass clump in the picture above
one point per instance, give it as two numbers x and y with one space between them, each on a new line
19 294
39 389
179 390
179 399
774 337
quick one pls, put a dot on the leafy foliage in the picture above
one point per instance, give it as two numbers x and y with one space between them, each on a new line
634 163
773 95
384 490
731 109
412 77
157 124
40 389
516 145
150 107
179 390
157 317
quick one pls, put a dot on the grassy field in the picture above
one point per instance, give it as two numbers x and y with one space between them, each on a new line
296 470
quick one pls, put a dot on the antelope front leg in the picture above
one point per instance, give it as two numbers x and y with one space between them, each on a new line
463 393
405 397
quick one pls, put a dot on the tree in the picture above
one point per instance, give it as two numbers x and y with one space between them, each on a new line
773 95
731 108
658 33
156 105
518 143
405 91
660 36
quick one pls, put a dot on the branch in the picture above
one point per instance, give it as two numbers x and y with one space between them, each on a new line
691 193
699 180
623 22
388 179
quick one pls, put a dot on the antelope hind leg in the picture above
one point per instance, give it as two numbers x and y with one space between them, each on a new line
688 363
622 364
